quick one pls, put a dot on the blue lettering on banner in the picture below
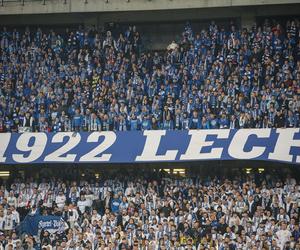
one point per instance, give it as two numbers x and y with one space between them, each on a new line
151 146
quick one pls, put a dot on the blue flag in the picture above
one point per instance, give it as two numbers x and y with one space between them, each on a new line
33 224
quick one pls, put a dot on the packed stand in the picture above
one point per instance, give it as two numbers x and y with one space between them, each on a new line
157 212
87 80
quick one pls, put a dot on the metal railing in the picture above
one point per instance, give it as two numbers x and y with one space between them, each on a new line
23 2
44 1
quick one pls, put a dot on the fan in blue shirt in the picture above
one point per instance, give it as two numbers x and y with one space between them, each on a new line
115 204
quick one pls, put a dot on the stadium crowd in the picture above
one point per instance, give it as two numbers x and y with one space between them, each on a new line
155 212
87 80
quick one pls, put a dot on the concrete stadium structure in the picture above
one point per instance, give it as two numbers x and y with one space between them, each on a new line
99 11
143 12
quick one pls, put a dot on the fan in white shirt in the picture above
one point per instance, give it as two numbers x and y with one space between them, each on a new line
9 222
16 215
11 199
22 199
95 216
283 235
73 215
82 203
60 200
48 199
